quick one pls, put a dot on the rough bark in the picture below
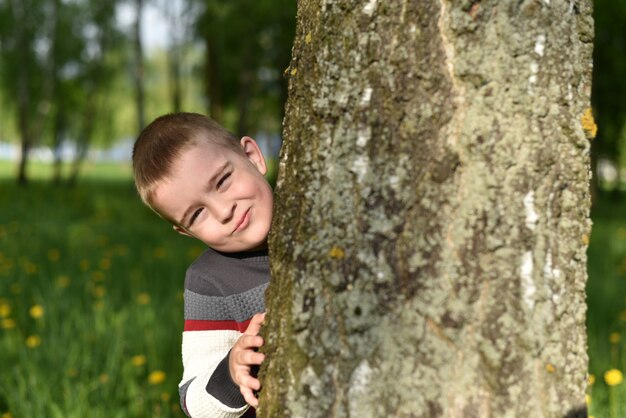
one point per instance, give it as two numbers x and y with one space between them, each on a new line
432 212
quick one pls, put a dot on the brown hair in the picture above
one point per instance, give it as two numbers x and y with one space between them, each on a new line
162 142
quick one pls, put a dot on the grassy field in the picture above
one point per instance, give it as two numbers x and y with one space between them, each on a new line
91 302
606 316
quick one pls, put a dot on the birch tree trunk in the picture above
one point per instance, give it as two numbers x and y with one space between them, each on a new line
432 212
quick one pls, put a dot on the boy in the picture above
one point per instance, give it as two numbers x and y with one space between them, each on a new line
209 185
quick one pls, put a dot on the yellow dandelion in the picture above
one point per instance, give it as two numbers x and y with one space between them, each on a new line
33 341
5 310
103 378
7 323
84 265
97 275
588 399
143 298
72 372
36 311
159 252
103 239
98 305
7 415
591 380
8 263
165 397
30 268
138 360
121 249
156 377
614 337
105 263
63 281
99 291
613 377
550 368
54 255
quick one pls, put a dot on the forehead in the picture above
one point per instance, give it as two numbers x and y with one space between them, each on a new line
203 154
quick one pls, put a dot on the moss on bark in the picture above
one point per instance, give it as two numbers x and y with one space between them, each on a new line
428 250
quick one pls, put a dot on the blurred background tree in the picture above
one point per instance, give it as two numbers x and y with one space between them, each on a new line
609 88
69 69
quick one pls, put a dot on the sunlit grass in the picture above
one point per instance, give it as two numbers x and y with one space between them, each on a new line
89 170
90 302
606 317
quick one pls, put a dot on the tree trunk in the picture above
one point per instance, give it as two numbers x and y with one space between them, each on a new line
24 99
212 77
246 80
177 27
174 63
24 115
57 143
432 212
139 67
86 133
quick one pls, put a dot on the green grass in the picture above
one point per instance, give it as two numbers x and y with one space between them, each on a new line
606 316
89 171
109 275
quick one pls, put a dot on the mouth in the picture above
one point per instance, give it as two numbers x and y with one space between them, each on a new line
243 222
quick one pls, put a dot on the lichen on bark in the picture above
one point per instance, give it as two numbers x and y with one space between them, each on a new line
427 251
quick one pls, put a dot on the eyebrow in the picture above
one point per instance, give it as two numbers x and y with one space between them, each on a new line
212 180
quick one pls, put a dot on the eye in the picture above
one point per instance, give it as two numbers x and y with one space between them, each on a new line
223 179
194 217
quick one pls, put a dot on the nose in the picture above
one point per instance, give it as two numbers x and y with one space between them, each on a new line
223 210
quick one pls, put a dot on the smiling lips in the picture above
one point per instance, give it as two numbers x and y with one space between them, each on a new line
243 222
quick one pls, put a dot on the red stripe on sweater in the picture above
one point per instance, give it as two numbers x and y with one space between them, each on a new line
202 325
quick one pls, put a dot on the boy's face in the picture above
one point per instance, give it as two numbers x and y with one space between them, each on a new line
219 196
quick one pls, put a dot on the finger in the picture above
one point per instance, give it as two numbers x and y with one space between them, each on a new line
255 324
249 396
251 382
250 341
252 358
245 359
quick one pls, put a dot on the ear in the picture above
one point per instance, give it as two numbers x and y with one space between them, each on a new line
181 230
254 154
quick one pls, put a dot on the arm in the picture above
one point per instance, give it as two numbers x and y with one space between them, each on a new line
218 385
206 389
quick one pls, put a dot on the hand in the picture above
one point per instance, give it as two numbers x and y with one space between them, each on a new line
243 356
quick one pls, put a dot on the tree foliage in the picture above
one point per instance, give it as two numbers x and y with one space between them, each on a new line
56 69
67 79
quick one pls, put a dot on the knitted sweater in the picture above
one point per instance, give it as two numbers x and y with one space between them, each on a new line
222 293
